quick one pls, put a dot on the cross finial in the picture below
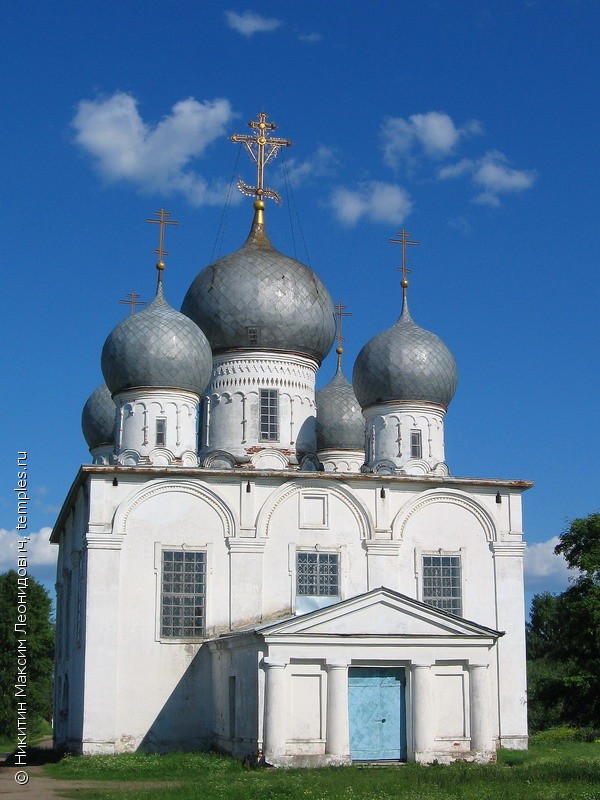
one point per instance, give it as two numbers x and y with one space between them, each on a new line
340 312
404 241
160 252
132 300
262 149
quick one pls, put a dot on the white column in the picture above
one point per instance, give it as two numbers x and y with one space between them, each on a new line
423 711
276 709
338 732
482 726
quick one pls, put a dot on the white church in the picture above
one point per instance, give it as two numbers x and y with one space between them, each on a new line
287 575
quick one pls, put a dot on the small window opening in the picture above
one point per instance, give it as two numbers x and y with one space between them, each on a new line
416 448
269 415
161 432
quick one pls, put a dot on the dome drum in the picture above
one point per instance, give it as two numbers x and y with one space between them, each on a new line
257 402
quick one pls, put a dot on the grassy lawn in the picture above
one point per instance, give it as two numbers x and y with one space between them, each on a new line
569 771
38 730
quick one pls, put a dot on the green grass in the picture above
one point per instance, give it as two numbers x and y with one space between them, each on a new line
38 730
568 771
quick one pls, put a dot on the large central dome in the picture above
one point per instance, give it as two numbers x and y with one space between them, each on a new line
259 299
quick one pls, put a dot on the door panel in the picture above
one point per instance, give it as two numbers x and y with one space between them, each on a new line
377 713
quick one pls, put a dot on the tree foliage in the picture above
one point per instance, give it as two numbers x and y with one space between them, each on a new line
563 637
39 639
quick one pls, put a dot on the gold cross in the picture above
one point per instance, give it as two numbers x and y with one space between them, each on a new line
403 240
132 300
340 311
262 149
162 221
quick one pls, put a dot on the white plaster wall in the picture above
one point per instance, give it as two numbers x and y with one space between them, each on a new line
251 526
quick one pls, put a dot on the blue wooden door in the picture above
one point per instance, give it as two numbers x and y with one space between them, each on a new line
376 711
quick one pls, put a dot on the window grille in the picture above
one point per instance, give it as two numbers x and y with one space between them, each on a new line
318 574
442 583
252 335
416 448
183 599
161 432
269 415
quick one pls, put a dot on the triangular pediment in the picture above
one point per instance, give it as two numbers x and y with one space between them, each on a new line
380 612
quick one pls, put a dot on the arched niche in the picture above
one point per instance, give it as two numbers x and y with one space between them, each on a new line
452 499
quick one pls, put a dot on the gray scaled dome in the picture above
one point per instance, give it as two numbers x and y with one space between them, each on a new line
98 418
340 423
157 348
259 299
405 363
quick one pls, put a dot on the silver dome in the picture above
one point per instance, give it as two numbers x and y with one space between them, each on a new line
340 423
159 348
98 418
259 299
405 363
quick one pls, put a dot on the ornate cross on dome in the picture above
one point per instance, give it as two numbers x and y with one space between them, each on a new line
403 240
160 252
132 298
262 149
340 312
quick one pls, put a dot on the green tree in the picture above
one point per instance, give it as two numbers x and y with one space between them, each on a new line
39 640
563 637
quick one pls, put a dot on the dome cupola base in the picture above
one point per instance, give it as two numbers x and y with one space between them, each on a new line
405 439
157 427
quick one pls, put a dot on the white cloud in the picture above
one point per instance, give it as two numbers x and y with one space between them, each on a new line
39 553
492 174
250 23
545 571
323 162
377 201
310 37
153 157
434 132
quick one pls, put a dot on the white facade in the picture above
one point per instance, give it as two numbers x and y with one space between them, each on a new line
123 685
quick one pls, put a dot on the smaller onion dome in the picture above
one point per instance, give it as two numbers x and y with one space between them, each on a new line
405 363
157 348
98 418
340 423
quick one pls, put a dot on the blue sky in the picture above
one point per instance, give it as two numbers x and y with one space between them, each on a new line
475 124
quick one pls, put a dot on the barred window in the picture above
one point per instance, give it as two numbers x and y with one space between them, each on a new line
442 583
252 334
183 598
269 415
416 449
161 432
318 574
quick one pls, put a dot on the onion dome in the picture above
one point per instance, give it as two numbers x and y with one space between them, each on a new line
98 418
259 299
340 423
157 348
405 363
